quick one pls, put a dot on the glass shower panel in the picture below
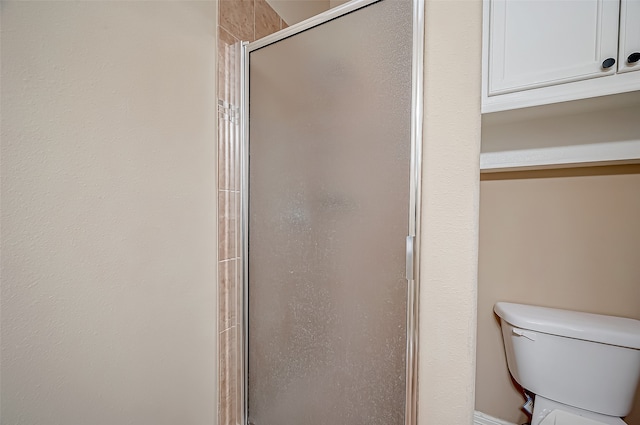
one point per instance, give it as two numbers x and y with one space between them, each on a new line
329 156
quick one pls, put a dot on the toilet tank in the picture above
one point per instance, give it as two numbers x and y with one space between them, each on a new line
585 360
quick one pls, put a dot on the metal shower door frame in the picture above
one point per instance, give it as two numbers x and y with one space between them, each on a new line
415 178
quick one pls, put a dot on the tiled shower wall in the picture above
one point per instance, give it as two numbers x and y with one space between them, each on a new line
239 20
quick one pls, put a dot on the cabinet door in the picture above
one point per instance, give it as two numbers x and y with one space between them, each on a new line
538 43
629 36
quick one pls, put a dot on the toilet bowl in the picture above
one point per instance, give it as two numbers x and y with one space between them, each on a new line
561 417
549 412
583 368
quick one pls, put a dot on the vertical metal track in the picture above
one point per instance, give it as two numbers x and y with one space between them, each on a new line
244 231
413 278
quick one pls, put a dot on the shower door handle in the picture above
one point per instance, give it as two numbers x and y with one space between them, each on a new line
410 256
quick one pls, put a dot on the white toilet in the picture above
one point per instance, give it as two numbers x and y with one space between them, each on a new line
583 368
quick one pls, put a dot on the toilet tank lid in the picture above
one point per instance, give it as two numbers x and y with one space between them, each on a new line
611 330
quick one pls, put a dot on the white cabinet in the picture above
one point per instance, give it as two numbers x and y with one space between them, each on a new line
629 51
537 43
538 52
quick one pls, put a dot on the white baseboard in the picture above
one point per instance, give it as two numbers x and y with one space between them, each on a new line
480 418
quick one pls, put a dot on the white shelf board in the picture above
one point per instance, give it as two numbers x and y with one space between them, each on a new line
576 107
602 86
622 152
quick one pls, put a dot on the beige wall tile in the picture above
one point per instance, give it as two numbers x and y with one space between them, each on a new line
227 396
267 20
225 68
227 303
237 17
226 225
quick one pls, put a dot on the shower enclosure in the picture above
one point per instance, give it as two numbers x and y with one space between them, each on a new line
331 167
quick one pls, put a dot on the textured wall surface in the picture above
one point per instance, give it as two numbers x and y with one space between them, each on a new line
557 238
108 213
450 212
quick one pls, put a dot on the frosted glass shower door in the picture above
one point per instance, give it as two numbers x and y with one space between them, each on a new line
329 163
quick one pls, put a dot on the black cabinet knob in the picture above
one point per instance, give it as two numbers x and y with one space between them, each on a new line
608 63
633 57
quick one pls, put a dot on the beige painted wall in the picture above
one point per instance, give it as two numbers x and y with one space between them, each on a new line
108 213
450 212
558 238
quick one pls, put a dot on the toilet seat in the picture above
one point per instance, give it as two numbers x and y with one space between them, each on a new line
559 417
